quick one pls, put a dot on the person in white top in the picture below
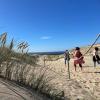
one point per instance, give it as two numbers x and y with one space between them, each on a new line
96 57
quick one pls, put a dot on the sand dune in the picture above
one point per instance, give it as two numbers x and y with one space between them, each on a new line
12 91
83 85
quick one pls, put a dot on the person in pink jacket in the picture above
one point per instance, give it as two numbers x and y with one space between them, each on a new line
78 58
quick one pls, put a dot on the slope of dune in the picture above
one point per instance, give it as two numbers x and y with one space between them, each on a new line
83 85
12 91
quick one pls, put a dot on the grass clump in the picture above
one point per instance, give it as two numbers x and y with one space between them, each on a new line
23 68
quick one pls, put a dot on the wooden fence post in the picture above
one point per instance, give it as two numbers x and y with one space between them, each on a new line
44 60
68 68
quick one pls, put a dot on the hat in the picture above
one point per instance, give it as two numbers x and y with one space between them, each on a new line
96 48
77 48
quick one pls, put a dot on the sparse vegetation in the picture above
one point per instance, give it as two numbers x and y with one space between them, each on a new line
23 68
53 57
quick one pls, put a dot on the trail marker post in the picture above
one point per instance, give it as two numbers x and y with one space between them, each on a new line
68 68
44 59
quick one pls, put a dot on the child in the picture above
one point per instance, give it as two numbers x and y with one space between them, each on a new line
66 56
78 58
96 57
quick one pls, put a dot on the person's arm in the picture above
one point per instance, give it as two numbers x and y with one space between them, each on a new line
74 54
95 54
81 57
64 55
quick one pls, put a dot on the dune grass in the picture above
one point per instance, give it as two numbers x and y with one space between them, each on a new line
23 68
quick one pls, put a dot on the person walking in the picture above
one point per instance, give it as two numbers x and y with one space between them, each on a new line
66 56
78 58
96 57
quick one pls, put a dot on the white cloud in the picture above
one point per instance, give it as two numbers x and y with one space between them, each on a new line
45 37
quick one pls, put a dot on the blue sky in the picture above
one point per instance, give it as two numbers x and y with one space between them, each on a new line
51 25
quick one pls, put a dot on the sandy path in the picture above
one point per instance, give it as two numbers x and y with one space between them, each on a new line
12 91
84 85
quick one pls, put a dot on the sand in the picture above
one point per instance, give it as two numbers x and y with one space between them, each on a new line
12 91
83 85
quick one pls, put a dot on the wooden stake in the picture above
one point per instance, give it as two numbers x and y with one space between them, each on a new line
68 68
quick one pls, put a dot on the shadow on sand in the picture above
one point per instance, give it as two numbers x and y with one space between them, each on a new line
92 72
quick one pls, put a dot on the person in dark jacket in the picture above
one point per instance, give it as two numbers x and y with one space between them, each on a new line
66 56
96 57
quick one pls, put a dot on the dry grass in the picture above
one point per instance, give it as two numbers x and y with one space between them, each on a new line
23 68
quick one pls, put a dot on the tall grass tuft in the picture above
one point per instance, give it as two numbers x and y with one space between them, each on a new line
23 68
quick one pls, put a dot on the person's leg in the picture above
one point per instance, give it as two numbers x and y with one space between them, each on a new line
65 62
80 66
94 61
75 66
